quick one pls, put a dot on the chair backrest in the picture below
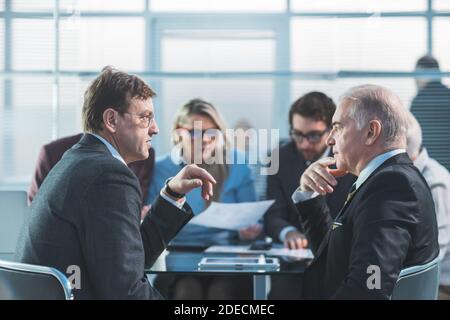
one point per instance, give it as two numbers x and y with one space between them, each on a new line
20 281
13 210
418 282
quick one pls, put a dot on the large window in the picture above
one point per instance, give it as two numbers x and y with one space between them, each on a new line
218 6
90 43
358 6
369 44
250 58
441 41
198 48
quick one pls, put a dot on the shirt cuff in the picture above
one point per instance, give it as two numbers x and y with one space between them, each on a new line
179 204
285 231
300 196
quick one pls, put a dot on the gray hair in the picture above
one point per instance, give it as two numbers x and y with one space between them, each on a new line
369 102
413 137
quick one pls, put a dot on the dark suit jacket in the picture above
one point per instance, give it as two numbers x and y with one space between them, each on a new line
282 185
87 213
52 152
390 222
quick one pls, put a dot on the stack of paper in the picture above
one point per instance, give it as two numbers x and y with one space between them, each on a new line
232 216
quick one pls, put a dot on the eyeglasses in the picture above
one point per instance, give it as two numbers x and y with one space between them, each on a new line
312 137
145 121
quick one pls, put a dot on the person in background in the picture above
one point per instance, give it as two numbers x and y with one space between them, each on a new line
199 123
431 107
438 179
246 138
310 122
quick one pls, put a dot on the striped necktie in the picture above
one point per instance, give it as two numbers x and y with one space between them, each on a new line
351 192
338 220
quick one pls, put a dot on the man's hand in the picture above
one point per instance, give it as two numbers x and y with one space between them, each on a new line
145 210
191 177
251 232
319 178
295 240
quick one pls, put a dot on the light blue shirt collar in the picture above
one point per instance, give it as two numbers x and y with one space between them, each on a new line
111 149
374 164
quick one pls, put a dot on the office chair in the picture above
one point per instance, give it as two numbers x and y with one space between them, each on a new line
19 281
13 211
418 282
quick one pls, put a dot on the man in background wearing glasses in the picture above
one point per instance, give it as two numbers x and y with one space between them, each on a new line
310 123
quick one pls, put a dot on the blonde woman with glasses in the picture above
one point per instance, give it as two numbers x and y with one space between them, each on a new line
199 137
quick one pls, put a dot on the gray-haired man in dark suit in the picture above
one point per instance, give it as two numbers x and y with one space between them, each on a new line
388 221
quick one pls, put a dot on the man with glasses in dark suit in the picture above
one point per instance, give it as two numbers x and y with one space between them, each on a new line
87 212
310 123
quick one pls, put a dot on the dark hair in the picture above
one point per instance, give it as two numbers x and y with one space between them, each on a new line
427 62
111 89
314 105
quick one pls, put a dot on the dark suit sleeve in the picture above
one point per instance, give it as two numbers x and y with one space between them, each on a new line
160 226
277 217
43 167
381 237
114 250
314 216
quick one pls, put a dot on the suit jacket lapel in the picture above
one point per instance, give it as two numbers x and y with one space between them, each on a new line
400 158
336 222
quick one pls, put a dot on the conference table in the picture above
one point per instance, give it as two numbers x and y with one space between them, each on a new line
184 260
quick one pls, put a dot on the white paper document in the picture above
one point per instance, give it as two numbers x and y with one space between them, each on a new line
232 216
